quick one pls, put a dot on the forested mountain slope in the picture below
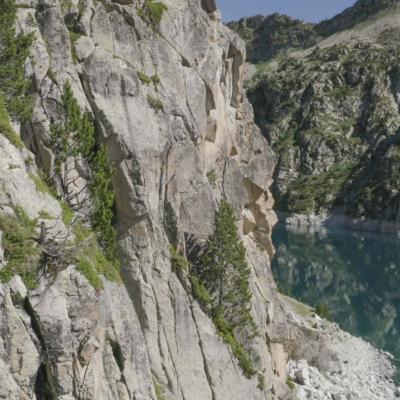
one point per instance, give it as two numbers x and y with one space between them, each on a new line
331 113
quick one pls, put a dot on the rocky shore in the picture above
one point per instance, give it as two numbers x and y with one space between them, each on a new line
339 220
332 364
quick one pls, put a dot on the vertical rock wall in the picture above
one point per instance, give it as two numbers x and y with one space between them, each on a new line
147 336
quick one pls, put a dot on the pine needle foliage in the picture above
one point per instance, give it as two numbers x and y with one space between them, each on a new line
21 252
223 270
103 198
14 50
221 284
90 258
76 137
178 261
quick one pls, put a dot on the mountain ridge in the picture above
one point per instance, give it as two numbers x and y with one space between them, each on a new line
267 36
331 113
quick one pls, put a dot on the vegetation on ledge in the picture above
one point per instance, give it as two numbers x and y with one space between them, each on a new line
152 12
6 128
75 137
220 281
21 251
14 87
311 194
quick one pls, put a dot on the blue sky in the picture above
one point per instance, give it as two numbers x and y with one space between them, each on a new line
307 10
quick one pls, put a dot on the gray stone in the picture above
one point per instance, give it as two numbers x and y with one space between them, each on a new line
115 343
84 46
17 287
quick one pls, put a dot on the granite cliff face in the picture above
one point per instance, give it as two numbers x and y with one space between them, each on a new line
162 87
146 338
330 111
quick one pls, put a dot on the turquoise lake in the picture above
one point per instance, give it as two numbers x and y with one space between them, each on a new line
356 274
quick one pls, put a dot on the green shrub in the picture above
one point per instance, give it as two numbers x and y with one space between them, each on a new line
147 80
152 12
261 381
87 269
226 332
160 395
154 103
155 80
91 260
66 5
67 213
323 311
75 136
144 78
73 37
290 384
81 232
178 262
6 128
103 199
41 185
13 54
20 249
200 292
212 177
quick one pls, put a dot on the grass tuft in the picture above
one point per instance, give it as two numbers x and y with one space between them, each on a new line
6 128
152 12
41 185
160 395
155 103
91 260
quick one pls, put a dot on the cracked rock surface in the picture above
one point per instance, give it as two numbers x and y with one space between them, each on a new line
124 341
145 338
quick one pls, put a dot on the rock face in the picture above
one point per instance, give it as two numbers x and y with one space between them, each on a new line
165 93
148 338
331 113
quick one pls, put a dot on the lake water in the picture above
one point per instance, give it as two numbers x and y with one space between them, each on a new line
356 274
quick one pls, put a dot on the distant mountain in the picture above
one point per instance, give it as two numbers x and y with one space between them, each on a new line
359 12
267 36
330 109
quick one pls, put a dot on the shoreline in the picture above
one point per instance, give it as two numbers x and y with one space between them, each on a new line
338 220
331 363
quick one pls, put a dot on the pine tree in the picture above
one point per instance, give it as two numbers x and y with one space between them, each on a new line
224 272
103 197
76 135
14 50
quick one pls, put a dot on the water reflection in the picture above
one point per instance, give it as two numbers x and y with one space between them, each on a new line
356 274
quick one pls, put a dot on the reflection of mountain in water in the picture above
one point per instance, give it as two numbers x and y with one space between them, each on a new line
356 274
